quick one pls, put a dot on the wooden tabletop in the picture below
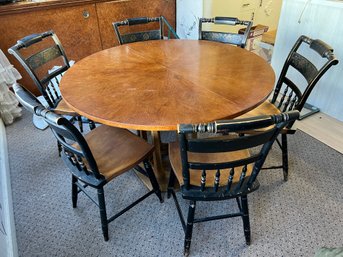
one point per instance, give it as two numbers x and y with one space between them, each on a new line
155 85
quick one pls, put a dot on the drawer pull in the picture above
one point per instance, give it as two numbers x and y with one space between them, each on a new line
85 14
245 5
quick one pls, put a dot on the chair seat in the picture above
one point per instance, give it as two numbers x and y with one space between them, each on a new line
266 108
63 109
116 150
175 161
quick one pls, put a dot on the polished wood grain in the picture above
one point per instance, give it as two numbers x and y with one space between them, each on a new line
29 6
155 85
116 150
79 36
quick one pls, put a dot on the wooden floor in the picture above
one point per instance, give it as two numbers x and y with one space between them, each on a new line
324 128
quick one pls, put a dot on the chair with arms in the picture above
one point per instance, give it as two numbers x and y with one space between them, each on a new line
97 158
288 94
159 29
44 59
221 168
225 37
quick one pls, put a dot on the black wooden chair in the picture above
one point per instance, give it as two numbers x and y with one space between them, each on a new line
96 158
221 168
288 94
44 59
225 37
155 28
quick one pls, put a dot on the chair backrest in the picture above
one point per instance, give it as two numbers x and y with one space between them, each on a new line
44 59
224 185
164 29
287 94
75 151
225 37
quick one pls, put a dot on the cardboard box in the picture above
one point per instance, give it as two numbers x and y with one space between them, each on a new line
254 37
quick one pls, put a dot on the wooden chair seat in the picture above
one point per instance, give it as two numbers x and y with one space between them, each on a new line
266 108
116 150
96 158
63 109
195 175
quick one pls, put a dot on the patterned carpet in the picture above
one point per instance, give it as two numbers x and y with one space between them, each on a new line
295 218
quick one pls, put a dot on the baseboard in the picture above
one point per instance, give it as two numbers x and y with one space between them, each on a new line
8 241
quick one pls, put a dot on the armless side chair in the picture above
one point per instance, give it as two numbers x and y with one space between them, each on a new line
223 167
97 158
288 94
43 57
152 32
225 37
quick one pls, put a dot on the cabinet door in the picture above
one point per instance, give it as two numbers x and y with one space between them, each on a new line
109 12
76 28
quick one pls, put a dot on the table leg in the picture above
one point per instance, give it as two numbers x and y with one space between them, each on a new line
159 169
160 164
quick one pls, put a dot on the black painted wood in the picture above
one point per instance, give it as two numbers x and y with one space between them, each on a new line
78 157
163 30
225 37
311 59
287 94
39 53
43 57
234 140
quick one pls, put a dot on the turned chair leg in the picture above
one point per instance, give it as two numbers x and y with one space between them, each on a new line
245 217
74 190
189 227
91 124
103 215
284 156
79 120
153 180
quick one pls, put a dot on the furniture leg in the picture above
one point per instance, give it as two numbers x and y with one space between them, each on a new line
170 184
74 192
153 180
79 121
189 227
245 217
284 149
103 215
160 174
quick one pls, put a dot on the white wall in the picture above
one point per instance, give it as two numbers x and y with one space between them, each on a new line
188 13
317 19
8 243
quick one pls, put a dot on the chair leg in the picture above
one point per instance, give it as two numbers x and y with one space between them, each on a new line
153 180
91 124
284 156
171 183
59 148
189 227
103 215
79 120
245 217
74 191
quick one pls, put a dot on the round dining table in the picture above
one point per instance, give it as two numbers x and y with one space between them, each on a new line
156 85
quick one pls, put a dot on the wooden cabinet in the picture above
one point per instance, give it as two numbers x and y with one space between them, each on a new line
84 27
